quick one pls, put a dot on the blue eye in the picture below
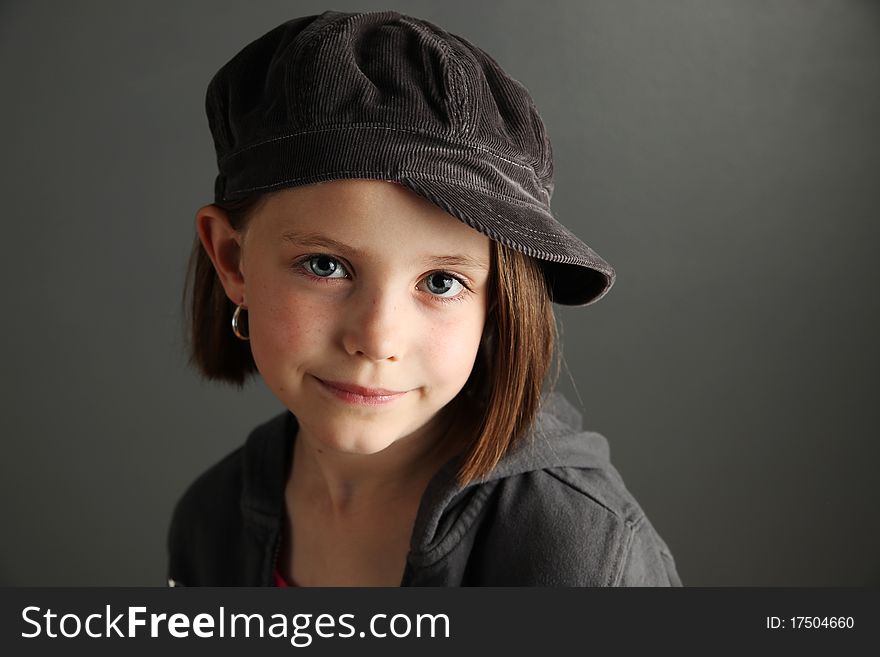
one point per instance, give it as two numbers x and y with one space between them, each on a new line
324 267
440 283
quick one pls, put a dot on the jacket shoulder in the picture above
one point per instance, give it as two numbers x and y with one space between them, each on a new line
578 527
205 535
211 493
632 551
204 517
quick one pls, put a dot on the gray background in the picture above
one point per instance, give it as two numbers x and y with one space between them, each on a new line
722 155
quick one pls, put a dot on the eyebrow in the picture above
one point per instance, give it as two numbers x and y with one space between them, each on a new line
318 240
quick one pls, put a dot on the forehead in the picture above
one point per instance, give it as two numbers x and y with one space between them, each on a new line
368 215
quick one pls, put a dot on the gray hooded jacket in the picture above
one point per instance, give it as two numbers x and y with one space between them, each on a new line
554 512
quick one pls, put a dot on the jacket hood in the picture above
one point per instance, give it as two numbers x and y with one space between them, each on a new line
556 439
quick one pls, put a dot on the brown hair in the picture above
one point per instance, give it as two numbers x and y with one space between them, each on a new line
213 348
503 392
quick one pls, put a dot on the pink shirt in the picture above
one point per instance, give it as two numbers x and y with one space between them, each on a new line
280 581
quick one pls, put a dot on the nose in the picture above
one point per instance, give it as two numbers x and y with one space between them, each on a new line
375 327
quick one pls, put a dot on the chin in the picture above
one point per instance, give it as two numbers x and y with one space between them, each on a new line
356 441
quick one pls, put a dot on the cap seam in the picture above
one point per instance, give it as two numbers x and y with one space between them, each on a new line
360 126
459 97
310 45
419 174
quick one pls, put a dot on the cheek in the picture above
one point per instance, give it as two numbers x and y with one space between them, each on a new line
284 326
451 347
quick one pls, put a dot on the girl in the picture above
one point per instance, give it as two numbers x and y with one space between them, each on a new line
382 251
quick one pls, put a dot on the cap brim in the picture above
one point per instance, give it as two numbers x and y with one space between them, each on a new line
576 275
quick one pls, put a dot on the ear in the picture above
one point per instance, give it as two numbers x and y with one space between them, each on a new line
222 243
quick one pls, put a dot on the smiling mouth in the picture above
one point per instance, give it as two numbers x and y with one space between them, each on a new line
354 394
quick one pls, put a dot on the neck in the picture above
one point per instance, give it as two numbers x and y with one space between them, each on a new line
346 485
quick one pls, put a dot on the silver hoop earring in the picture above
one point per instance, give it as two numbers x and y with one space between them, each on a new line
236 318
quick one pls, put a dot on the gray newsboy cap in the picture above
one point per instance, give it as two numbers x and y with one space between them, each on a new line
387 96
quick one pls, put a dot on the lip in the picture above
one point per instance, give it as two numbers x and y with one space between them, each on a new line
356 394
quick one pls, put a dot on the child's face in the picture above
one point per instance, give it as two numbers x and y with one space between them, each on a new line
379 310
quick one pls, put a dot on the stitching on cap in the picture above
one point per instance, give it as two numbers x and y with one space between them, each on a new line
360 126
315 39
421 175
547 237
458 92
488 192
458 71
